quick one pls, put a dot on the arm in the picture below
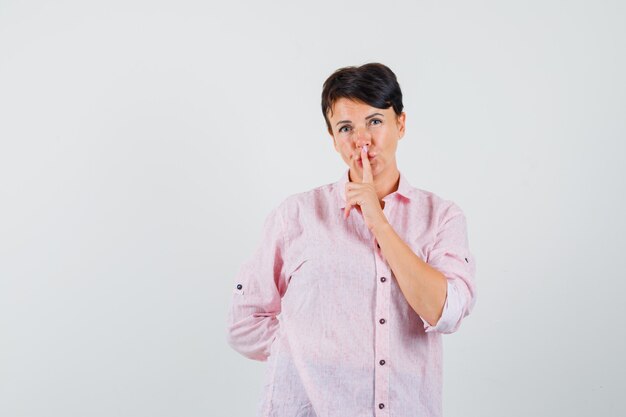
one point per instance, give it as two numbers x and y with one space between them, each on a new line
441 290
257 290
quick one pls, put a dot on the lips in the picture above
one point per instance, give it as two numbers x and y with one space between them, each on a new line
371 160
370 156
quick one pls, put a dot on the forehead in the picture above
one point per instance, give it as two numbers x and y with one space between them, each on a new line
345 108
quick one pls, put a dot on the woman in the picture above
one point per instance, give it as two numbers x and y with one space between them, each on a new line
355 281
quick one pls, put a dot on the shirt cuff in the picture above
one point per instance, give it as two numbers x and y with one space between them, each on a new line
449 320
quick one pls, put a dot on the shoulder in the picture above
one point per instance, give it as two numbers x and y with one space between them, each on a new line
306 210
303 201
440 208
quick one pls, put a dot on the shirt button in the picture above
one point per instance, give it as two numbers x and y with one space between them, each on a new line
239 286
383 279
381 405
382 362
382 321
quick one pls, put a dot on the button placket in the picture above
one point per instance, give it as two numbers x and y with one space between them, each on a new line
238 289
382 337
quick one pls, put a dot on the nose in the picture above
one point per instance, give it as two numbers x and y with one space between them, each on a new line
362 137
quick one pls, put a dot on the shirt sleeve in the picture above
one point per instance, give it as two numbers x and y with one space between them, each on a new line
258 287
451 256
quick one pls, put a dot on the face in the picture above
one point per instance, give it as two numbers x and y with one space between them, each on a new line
355 124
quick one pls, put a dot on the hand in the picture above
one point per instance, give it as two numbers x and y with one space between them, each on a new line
363 195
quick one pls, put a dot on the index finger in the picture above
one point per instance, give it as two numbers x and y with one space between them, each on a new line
367 168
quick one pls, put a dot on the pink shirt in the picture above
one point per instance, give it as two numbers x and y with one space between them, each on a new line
318 301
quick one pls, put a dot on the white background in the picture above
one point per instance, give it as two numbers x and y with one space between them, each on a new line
143 143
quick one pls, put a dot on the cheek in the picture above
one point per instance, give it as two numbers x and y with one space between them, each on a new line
387 139
380 137
345 149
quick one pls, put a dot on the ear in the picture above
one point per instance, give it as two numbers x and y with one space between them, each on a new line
401 121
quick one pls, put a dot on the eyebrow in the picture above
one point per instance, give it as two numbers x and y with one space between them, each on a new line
368 117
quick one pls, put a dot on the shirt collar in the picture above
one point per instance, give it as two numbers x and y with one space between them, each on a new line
405 189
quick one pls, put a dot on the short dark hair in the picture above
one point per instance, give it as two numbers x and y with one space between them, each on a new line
374 84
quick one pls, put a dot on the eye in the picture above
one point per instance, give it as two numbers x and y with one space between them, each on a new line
376 120
342 127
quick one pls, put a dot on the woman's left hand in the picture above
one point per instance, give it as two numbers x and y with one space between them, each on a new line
363 195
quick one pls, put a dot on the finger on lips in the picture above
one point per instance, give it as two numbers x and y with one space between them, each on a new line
366 167
367 171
